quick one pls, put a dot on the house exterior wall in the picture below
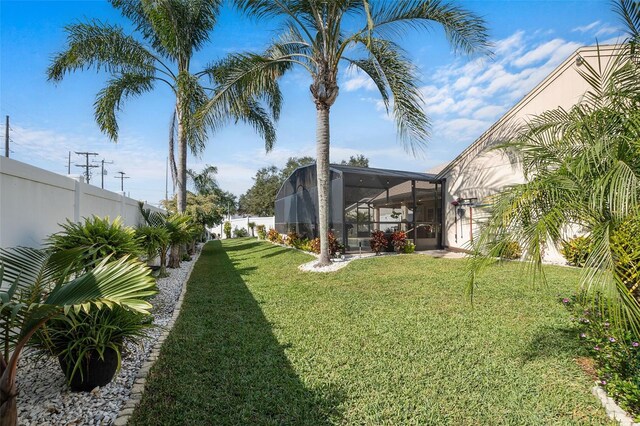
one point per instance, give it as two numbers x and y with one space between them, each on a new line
33 202
479 172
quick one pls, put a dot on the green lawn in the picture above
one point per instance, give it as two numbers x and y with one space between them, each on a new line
390 340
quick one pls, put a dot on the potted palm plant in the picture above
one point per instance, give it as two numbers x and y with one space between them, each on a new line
89 345
38 285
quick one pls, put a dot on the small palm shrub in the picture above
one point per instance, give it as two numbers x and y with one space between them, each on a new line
577 250
99 237
252 226
155 240
227 229
262 232
378 242
511 251
399 241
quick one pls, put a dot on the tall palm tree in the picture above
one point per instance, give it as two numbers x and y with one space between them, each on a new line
36 285
170 32
317 40
582 171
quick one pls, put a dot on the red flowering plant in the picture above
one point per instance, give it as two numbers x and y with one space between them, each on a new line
399 241
378 242
335 248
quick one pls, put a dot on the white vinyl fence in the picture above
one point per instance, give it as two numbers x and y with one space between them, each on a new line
34 201
243 223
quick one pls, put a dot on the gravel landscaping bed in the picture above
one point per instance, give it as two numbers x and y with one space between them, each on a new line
44 397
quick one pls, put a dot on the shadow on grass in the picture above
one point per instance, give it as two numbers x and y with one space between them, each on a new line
222 363
552 342
275 253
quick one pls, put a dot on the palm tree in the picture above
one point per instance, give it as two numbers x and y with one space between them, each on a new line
317 40
582 171
36 285
171 32
204 182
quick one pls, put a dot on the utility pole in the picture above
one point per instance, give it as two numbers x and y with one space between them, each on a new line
122 177
103 162
87 167
69 164
6 138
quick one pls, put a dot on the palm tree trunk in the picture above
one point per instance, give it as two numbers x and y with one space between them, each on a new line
181 175
163 261
174 257
8 409
323 178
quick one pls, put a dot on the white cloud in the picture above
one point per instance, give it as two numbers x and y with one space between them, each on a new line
357 79
607 30
585 28
540 53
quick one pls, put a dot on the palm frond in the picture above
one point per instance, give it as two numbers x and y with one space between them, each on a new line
101 46
465 30
109 99
390 68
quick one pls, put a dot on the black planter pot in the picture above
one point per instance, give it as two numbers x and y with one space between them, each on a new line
93 371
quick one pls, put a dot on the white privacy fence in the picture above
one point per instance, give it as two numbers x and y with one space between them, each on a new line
243 223
34 201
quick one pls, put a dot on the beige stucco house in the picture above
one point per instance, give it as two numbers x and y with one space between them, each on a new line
479 171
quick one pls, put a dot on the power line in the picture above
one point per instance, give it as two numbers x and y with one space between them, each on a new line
103 162
122 177
87 166
6 138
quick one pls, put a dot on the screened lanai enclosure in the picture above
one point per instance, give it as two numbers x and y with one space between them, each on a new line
363 200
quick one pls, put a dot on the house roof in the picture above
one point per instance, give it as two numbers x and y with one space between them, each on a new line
479 144
384 172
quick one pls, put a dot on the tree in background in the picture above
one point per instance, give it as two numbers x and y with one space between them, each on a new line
170 32
295 162
356 161
316 39
205 181
260 198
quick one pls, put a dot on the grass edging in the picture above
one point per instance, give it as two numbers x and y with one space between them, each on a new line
612 409
141 377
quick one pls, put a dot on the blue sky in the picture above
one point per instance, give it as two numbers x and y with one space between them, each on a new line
464 96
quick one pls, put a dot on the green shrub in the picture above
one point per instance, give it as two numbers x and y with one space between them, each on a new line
262 232
227 229
240 232
378 242
99 237
409 247
625 244
252 226
577 250
511 250
616 353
